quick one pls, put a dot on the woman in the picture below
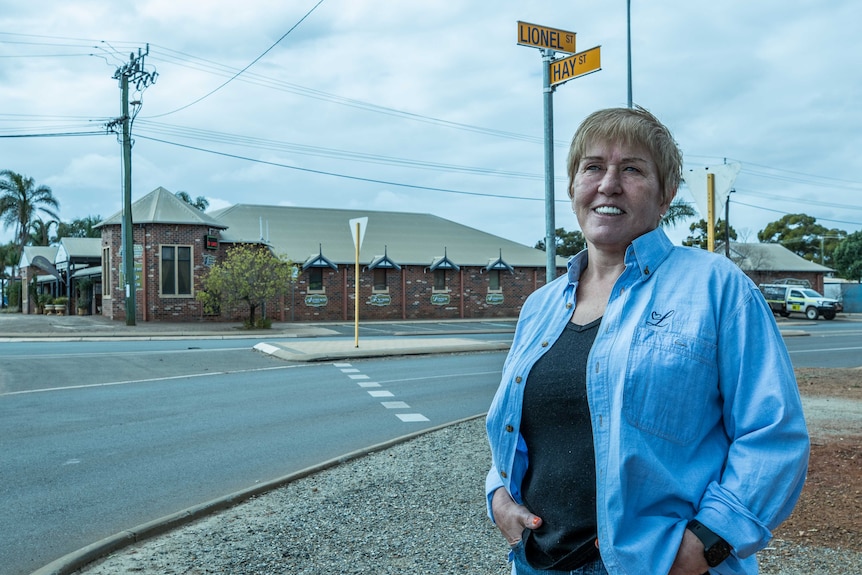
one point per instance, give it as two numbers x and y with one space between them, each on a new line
648 419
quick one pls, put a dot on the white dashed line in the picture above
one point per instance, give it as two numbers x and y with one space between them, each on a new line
408 417
363 381
395 405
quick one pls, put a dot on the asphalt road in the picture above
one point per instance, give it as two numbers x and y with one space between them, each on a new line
103 439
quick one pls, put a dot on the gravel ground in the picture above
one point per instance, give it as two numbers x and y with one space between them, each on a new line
414 508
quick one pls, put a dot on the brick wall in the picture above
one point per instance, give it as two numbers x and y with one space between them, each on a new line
409 295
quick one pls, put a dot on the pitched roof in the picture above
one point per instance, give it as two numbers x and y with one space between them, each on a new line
79 248
772 257
31 252
162 207
406 238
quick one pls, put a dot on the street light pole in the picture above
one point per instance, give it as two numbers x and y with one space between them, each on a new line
629 33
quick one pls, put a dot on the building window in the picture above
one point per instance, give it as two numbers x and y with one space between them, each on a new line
106 272
315 279
439 280
380 280
494 280
176 267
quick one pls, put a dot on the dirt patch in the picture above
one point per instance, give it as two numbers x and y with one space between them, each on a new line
828 512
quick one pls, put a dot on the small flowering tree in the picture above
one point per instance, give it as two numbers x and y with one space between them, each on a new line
249 275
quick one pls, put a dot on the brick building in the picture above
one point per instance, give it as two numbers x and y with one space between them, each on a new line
412 266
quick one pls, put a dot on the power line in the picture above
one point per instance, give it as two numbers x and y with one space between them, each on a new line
253 62
344 176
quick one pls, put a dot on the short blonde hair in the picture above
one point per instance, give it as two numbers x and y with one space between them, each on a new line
631 126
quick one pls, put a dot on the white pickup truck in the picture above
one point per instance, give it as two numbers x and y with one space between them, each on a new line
785 299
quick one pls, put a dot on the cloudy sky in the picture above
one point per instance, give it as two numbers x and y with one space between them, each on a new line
427 106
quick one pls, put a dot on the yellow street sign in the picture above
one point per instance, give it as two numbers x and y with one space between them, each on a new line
564 69
544 37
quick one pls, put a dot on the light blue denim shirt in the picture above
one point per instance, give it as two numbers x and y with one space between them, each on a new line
693 400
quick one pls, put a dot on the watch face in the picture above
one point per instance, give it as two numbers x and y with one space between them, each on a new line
716 553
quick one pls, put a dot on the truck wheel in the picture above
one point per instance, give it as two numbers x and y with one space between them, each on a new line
811 313
829 315
784 313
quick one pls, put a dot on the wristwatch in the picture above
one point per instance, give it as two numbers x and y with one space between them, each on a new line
715 549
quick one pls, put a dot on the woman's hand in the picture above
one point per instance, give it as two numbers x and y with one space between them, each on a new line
689 559
511 518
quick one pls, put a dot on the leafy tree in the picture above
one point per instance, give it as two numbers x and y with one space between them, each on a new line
566 243
802 235
249 275
8 261
699 236
20 201
677 211
847 257
200 202
79 228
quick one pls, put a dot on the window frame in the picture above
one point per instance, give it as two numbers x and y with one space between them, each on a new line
106 272
495 276
177 276
313 271
375 283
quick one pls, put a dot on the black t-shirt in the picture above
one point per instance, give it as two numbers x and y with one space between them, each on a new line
560 485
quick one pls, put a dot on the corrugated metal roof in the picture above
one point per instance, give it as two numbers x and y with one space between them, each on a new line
30 252
163 207
772 257
80 248
407 238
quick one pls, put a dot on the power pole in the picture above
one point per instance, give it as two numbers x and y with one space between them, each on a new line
133 73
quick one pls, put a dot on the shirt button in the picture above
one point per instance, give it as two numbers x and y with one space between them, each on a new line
503 474
510 429
518 379
544 344
569 305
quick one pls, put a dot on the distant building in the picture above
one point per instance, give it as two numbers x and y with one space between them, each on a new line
412 266
767 263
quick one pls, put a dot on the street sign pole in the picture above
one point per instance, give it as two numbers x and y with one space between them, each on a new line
357 232
554 72
356 292
550 218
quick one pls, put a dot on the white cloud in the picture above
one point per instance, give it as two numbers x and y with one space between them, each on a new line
755 82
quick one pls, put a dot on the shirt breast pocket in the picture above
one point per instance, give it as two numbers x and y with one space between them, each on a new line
671 382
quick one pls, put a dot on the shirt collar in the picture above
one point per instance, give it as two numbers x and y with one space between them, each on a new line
646 252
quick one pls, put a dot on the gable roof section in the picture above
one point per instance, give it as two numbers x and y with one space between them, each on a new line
162 207
772 257
74 248
406 238
31 252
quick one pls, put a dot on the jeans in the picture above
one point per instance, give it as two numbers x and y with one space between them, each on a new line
521 567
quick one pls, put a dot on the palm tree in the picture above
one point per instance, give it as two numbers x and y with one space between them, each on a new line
678 210
7 263
200 202
20 200
40 232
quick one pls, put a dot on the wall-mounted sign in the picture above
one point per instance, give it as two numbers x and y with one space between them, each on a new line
380 299
211 242
439 299
316 300
210 260
494 298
